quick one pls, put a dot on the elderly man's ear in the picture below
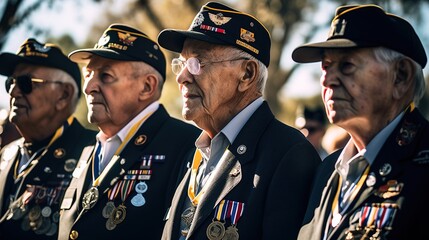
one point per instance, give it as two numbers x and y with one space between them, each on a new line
149 84
65 97
250 68
404 78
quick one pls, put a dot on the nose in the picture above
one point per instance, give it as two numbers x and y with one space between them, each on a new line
14 90
330 76
91 83
184 76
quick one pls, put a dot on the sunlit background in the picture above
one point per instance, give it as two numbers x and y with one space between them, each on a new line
77 24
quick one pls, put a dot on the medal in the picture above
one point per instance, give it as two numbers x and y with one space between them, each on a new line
46 211
90 198
138 200
110 225
215 231
231 233
108 209
34 225
119 214
34 214
187 217
56 217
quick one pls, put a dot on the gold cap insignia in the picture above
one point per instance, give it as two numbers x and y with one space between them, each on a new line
126 38
246 35
219 19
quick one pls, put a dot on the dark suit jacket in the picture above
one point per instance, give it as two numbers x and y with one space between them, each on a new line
406 154
50 171
164 136
272 178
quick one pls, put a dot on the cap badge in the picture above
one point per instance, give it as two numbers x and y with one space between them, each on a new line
246 35
103 41
219 19
41 48
338 27
198 20
126 38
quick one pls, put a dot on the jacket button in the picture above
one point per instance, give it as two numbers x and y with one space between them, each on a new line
74 234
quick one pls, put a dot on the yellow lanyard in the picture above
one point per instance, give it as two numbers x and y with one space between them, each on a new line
335 203
196 162
130 133
33 163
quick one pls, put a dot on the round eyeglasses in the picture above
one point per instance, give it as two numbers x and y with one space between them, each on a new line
25 83
194 65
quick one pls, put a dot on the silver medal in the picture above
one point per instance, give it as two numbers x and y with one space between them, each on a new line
108 209
138 200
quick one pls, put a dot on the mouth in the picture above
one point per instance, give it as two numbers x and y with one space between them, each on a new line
189 95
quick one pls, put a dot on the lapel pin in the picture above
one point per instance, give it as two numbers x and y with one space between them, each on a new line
140 140
59 152
241 149
385 169
371 180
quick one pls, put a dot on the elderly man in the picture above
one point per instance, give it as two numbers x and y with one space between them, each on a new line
35 170
251 175
376 186
122 187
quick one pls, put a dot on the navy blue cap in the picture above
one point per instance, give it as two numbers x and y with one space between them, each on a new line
43 54
125 43
219 24
356 26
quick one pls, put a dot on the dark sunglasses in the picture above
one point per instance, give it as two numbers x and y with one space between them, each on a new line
25 83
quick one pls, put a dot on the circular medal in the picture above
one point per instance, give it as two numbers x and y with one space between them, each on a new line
35 213
138 200
110 225
90 198
141 187
52 230
70 165
46 211
34 225
119 214
215 231
231 233
336 219
108 209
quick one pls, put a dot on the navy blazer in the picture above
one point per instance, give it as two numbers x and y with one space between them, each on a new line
395 191
164 139
51 174
270 168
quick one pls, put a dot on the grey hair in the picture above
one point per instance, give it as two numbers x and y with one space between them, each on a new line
389 56
263 71
141 68
66 78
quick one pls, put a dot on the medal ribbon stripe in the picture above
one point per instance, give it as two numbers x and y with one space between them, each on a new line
113 192
237 211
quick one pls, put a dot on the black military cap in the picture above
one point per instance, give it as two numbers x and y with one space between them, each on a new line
219 24
122 42
366 26
34 52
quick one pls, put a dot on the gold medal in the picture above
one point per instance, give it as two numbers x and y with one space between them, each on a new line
90 198
110 225
231 233
215 231
119 214
35 213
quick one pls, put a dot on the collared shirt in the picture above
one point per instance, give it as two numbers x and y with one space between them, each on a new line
213 149
110 145
369 152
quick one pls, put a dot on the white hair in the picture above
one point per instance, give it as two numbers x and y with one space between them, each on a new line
389 56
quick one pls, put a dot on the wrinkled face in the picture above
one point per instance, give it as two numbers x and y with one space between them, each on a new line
211 93
38 106
112 92
356 88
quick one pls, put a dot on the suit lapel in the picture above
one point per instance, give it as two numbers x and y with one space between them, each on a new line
223 180
8 157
